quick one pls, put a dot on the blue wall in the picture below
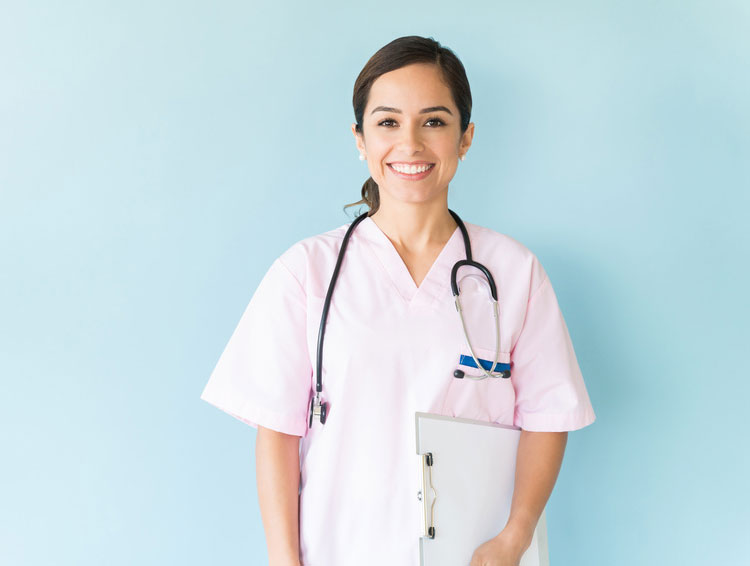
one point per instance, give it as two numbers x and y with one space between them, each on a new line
156 157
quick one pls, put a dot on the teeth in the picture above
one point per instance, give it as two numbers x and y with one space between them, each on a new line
411 169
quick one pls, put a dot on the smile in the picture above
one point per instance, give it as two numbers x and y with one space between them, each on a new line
411 172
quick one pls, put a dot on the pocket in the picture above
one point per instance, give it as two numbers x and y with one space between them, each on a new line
491 399
486 359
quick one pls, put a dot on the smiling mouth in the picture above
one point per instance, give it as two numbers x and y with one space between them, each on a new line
414 169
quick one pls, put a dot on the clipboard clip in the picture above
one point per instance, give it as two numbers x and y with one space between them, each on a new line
428 527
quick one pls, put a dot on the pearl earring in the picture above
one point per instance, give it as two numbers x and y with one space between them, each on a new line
463 157
361 157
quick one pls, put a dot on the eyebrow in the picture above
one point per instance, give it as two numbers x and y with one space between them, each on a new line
423 111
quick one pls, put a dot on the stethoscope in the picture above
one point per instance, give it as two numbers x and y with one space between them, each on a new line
318 409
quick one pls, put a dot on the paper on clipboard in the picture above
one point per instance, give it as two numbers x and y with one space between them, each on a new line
466 475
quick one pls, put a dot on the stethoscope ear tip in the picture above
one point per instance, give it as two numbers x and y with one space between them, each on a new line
459 374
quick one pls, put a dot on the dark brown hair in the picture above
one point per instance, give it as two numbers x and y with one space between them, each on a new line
399 53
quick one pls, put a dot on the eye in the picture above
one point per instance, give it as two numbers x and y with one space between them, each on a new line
438 121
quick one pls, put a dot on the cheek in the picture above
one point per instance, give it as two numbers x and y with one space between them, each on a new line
377 170
448 152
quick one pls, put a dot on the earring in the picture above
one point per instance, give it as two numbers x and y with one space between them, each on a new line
463 157
361 157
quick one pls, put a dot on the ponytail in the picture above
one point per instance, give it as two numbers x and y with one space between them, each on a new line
370 196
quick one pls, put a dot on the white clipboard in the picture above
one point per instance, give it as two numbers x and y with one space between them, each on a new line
466 472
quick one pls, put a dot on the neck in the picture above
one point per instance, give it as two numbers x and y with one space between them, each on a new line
416 226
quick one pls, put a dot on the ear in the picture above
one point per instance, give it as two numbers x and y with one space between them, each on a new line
358 140
466 138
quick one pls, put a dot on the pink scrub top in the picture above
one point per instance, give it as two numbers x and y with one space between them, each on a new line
390 349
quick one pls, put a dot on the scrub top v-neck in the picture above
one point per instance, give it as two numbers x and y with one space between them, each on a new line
390 350
434 282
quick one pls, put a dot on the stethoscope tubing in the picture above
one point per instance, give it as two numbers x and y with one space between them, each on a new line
319 409
326 304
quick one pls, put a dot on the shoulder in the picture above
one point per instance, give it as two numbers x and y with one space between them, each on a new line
316 252
508 256
490 240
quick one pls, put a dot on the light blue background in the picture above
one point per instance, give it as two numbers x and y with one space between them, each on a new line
155 157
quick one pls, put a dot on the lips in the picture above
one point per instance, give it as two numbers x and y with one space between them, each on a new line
408 165
412 176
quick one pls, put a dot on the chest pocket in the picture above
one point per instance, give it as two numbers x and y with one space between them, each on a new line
491 399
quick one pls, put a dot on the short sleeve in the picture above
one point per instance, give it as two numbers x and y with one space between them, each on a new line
550 392
264 375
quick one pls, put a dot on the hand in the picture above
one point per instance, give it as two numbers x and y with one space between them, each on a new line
503 550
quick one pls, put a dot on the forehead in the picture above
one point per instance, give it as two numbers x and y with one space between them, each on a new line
410 88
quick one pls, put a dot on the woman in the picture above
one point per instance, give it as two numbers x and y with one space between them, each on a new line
343 491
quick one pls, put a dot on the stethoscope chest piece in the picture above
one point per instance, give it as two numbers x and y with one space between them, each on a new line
318 410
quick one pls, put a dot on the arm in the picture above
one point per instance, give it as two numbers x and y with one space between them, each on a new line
538 462
278 474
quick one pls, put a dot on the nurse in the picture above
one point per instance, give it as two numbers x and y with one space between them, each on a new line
343 492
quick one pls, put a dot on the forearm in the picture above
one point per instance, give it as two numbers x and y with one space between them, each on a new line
538 463
278 473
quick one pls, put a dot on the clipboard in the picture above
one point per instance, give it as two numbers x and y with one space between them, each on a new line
466 471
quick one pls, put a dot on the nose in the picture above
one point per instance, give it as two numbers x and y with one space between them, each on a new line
411 139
